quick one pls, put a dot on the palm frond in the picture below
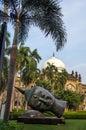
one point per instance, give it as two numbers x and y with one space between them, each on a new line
4 1
2 16
24 26
7 39
15 5
8 50
10 3
47 15
36 55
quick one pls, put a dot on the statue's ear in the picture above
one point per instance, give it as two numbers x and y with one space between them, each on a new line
20 90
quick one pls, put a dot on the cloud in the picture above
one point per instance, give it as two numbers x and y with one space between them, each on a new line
75 20
74 51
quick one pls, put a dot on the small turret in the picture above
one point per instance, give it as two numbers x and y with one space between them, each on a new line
79 78
72 73
53 54
76 75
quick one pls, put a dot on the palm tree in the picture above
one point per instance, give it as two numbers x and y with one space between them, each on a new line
3 36
22 57
2 46
27 55
4 76
61 79
4 63
45 14
51 79
7 38
27 63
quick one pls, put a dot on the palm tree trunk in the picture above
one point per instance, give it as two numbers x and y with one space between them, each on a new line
2 47
11 75
2 40
10 82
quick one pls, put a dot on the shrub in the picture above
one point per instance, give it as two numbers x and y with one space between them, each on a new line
14 114
75 115
48 113
67 115
70 114
10 126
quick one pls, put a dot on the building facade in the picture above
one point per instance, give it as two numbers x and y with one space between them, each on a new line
74 83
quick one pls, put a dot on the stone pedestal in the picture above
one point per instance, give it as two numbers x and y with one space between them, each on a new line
41 120
36 117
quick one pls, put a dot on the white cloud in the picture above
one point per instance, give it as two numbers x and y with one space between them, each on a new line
74 52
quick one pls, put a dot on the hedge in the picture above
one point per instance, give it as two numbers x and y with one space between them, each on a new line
14 114
67 115
75 115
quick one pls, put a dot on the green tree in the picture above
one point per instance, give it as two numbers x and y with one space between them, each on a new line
3 35
46 14
4 77
2 46
27 64
5 65
22 57
61 79
73 99
51 79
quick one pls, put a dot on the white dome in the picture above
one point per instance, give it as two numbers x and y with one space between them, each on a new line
56 62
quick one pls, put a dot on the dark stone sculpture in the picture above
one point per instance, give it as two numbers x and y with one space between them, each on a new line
42 100
32 114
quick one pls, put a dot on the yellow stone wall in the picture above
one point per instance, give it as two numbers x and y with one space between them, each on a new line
76 86
71 84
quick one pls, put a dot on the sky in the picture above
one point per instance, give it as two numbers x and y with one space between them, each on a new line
73 54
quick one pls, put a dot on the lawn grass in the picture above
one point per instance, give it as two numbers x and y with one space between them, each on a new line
70 125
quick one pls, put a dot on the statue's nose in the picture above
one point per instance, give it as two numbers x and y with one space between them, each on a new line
42 100
45 101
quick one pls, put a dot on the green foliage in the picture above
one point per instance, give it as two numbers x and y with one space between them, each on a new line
70 114
51 79
10 126
75 115
67 115
61 80
48 113
73 99
22 14
44 83
5 65
69 125
4 78
44 14
14 114
27 64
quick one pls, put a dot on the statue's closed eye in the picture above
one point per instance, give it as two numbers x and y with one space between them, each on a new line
35 96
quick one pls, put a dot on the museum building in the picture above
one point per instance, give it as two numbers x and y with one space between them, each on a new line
74 83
